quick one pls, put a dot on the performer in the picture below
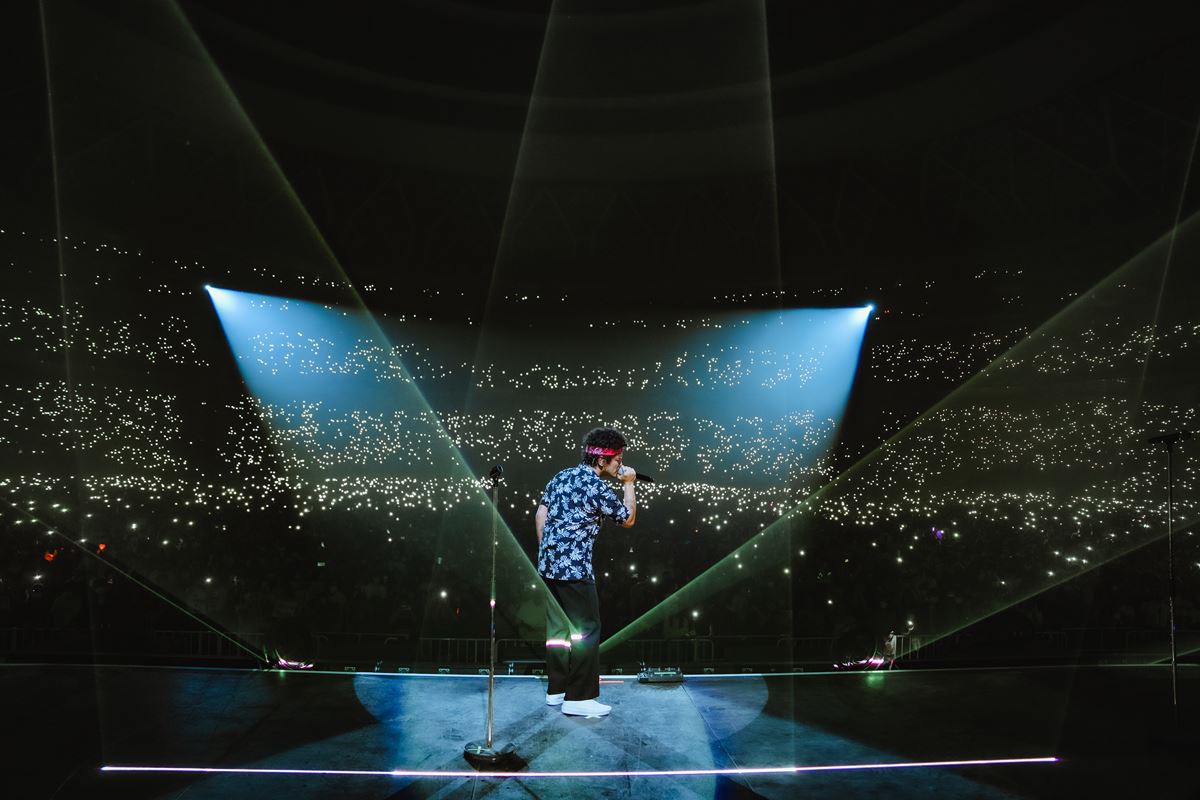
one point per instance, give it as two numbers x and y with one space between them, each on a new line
573 505
889 649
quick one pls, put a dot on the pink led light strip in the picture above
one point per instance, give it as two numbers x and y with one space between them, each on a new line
648 773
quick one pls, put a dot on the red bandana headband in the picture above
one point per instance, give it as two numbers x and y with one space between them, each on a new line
605 451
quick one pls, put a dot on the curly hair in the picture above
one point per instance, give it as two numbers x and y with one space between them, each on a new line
608 438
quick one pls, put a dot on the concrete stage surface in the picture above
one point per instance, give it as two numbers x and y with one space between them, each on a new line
317 735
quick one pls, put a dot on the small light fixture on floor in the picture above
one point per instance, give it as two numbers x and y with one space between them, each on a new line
660 675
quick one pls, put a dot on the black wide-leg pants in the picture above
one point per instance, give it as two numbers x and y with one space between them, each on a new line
573 661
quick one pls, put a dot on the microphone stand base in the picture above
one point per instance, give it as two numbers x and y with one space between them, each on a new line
480 753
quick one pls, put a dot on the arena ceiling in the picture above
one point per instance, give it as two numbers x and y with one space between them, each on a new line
919 139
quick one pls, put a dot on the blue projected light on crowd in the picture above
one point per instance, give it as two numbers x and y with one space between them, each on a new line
332 388
292 350
794 369
822 343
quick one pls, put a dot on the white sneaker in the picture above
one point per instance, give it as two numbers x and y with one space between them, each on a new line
585 708
556 699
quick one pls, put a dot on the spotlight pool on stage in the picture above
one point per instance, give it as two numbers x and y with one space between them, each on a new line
157 732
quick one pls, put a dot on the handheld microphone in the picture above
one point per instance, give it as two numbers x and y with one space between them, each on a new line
643 478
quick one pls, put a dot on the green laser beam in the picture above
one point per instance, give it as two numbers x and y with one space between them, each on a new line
701 586
769 125
315 233
927 641
133 579
348 284
510 205
1162 289
176 31
64 300
504 242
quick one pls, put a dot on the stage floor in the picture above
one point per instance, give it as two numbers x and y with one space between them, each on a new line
343 734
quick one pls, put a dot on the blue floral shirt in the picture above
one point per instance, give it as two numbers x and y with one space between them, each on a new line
578 500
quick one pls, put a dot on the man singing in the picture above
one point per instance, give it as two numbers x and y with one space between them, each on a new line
573 505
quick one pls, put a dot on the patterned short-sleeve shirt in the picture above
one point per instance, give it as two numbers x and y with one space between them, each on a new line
577 501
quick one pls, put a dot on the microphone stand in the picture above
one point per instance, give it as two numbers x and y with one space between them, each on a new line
485 751
1169 440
